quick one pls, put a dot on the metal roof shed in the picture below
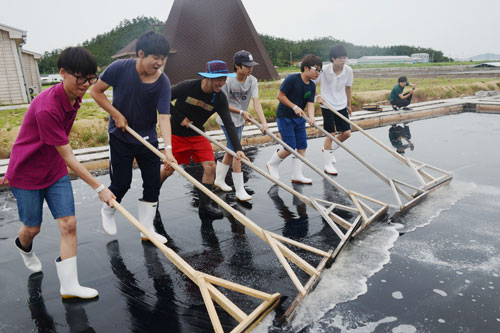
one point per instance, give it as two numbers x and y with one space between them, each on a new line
202 30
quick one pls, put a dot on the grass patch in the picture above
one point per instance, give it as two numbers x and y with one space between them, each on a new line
90 128
89 133
429 64
11 118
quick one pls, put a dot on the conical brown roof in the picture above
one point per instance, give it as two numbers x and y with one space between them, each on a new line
203 30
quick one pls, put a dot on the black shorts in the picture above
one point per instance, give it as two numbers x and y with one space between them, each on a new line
333 123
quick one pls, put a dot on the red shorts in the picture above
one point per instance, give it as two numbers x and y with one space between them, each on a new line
197 147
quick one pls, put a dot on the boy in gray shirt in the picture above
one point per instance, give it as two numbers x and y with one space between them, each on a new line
239 90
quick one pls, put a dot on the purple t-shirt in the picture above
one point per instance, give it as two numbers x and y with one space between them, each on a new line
137 101
34 161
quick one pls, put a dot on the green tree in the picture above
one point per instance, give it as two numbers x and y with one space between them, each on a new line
103 46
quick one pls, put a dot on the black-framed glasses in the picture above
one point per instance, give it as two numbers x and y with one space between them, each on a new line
83 79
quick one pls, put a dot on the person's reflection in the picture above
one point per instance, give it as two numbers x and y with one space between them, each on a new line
76 317
212 256
331 194
160 228
297 225
241 256
162 316
43 321
397 134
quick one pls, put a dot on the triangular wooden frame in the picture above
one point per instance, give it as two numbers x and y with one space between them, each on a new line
360 206
405 201
275 241
207 284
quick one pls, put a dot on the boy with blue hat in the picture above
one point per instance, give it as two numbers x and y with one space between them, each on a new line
195 102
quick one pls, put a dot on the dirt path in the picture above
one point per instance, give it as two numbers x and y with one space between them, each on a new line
427 72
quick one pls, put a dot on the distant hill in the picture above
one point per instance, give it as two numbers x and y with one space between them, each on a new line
485 57
279 49
103 46
283 52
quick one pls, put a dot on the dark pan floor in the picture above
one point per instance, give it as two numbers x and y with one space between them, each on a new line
411 274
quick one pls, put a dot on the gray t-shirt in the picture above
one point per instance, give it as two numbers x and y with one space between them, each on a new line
239 95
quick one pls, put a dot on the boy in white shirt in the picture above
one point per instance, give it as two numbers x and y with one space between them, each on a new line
239 91
336 83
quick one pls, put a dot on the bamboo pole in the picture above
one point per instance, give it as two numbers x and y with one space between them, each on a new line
203 281
360 129
261 233
370 167
303 159
318 171
289 189
408 161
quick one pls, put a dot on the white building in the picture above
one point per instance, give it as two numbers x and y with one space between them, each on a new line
421 57
19 74
385 60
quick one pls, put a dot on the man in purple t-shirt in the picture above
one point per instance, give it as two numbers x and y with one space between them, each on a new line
38 172
140 88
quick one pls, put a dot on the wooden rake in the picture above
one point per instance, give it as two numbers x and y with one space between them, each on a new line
207 284
331 218
361 208
405 201
275 241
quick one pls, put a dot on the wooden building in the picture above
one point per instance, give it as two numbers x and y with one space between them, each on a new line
19 74
203 30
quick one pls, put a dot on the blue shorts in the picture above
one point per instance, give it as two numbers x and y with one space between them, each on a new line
293 132
59 197
239 131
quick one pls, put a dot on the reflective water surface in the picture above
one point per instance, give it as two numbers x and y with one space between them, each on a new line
435 269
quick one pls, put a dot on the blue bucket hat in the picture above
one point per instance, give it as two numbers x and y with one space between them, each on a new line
216 68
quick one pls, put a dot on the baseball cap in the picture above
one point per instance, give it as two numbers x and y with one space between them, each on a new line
245 58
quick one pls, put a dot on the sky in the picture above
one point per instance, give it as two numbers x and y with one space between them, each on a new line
458 28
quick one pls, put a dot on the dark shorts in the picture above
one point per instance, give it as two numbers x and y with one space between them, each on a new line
122 156
197 147
333 123
59 197
239 131
293 132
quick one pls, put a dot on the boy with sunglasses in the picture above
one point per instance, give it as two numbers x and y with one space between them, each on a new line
38 168
140 88
195 102
336 90
295 95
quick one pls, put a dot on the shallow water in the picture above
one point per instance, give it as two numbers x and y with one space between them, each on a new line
435 269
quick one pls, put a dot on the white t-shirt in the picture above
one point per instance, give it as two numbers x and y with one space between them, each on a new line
333 86
239 95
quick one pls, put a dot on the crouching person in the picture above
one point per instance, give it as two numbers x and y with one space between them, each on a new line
38 172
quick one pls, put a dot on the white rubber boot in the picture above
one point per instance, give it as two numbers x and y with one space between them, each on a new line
30 259
297 176
68 277
329 159
147 212
108 219
272 165
241 193
220 177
